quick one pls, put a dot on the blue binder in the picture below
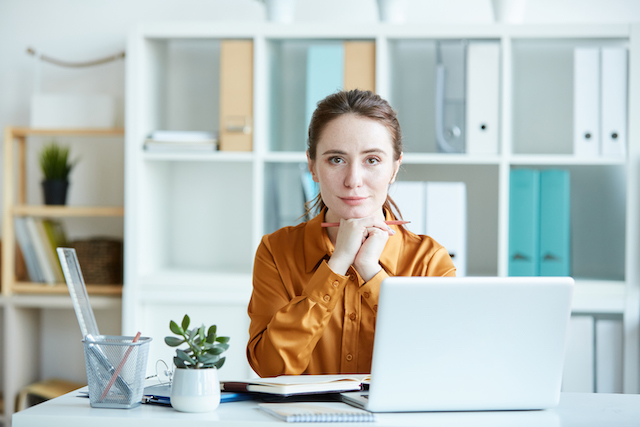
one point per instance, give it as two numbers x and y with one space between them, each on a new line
555 203
524 215
325 75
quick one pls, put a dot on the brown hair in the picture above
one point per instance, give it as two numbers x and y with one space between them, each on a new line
361 103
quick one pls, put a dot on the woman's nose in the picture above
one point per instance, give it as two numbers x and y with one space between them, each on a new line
354 176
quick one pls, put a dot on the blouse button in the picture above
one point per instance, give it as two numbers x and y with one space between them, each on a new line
335 284
352 277
375 307
326 298
366 294
352 316
349 357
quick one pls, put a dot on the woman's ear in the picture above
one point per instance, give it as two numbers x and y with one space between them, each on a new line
397 168
311 164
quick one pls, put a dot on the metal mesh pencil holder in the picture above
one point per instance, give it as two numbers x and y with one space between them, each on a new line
116 368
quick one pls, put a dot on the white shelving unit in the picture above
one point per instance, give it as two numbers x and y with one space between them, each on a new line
193 222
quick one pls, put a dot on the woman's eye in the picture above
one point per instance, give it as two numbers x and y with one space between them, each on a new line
336 160
373 161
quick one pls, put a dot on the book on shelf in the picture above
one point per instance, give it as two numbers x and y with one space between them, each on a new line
316 412
168 140
52 258
28 250
291 385
41 251
55 237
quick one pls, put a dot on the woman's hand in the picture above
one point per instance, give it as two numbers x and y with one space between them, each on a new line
360 241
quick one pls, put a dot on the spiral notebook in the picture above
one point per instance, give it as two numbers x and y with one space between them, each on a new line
312 412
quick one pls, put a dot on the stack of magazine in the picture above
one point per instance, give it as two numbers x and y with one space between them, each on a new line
181 141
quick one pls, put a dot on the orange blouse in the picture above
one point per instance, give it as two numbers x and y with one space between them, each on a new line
307 319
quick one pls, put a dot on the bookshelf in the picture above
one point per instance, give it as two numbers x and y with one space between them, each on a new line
193 222
27 308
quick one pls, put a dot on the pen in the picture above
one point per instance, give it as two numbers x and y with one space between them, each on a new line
337 224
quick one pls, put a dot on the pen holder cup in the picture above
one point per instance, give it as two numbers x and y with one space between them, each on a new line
116 369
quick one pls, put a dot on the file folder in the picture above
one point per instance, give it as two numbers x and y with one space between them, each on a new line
446 204
614 101
483 89
609 359
555 203
236 95
524 222
578 371
586 102
410 198
325 75
360 65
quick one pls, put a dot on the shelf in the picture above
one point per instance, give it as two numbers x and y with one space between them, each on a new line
98 302
61 289
24 131
67 211
216 156
568 159
593 296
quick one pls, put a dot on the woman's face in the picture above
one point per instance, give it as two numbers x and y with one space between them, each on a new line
354 166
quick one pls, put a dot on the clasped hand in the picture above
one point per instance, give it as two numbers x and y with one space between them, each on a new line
360 242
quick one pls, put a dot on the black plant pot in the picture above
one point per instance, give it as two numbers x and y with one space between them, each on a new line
55 191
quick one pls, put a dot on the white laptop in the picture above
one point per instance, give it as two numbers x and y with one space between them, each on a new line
467 344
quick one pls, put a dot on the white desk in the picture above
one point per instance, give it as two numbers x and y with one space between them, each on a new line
575 409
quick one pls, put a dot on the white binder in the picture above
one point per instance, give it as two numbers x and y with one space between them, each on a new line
614 101
578 372
410 198
483 89
609 334
586 102
447 219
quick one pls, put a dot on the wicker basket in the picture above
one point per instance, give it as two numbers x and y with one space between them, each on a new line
100 260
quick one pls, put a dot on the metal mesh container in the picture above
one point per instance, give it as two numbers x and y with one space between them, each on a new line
116 368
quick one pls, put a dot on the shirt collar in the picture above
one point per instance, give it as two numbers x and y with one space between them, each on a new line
318 246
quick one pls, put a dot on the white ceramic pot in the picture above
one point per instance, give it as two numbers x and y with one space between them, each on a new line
280 10
393 11
195 390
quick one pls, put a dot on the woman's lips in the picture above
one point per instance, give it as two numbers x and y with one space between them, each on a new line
353 200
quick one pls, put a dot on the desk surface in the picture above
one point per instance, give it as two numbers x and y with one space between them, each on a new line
575 409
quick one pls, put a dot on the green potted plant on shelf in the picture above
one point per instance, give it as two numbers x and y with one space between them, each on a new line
56 167
196 386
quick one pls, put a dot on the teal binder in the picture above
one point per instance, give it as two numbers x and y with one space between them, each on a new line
524 222
555 203
325 75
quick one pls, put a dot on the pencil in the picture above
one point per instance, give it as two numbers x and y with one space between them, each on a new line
117 371
337 224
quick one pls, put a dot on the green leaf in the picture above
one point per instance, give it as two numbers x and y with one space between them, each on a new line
223 340
219 363
185 322
175 328
201 333
208 358
191 334
179 362
184 356
215 350
173 341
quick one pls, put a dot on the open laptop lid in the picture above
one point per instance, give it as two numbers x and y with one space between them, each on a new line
474 343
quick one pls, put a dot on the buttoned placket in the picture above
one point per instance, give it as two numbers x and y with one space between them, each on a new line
351 323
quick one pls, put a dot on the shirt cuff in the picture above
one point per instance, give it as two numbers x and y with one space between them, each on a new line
370 291
325 287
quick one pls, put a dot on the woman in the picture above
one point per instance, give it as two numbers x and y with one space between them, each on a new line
315 289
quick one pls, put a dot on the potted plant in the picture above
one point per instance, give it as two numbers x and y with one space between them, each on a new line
196 386
55 165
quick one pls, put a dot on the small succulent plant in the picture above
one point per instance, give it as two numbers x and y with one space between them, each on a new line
203 351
